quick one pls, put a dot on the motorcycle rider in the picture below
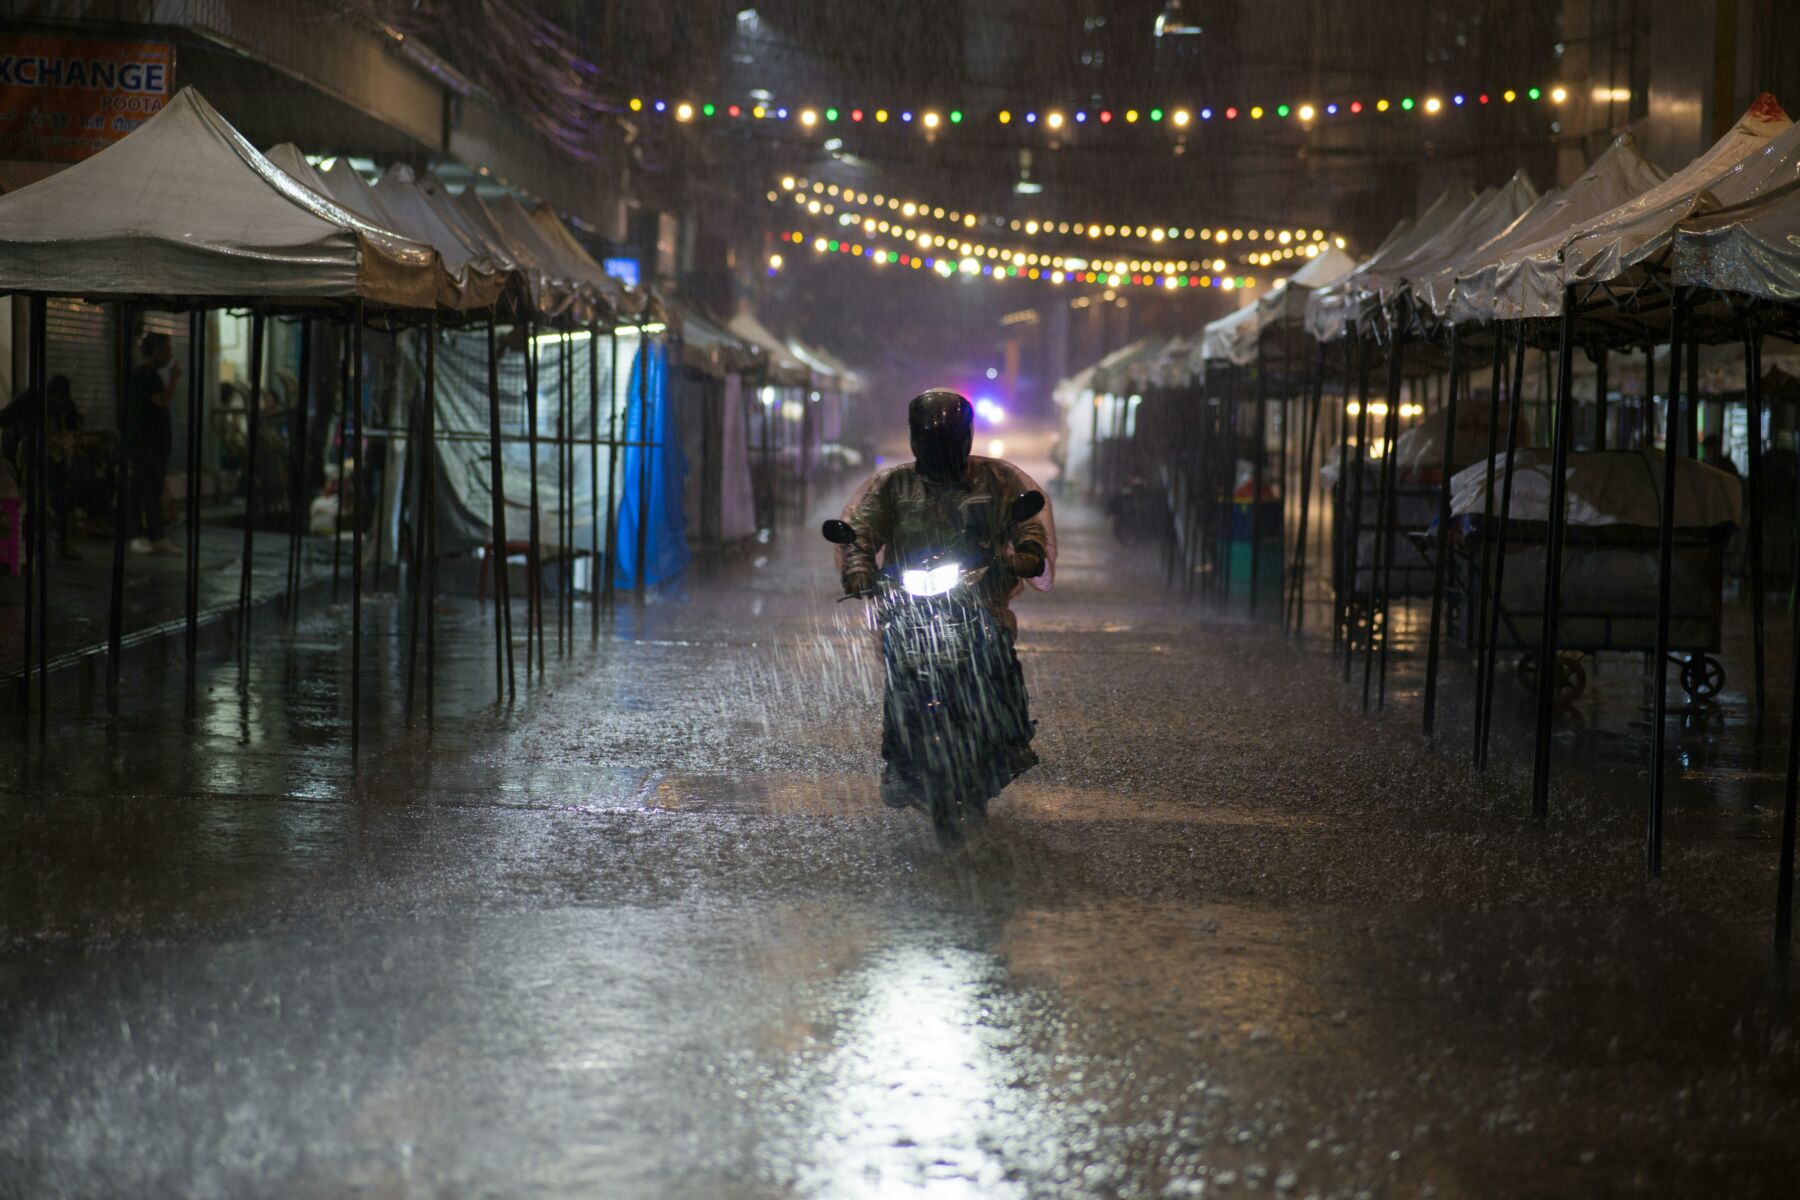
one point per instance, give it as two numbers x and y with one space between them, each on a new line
949 497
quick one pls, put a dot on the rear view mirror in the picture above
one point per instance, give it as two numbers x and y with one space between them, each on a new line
840 533
1025 507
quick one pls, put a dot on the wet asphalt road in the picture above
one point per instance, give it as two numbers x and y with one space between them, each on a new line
647 932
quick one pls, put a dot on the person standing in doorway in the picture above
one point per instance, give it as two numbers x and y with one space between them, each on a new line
149 439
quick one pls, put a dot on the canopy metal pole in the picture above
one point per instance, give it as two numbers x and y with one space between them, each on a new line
1194 479
594 481
1487 542
609 589
1440 568
1561 434
1600 389
1309 443
1692 362
428 516
1387 521
1228 468
354 396
258 331
564 391
1514 409
343 453
115 609
1257 471
1341 509
34 511
1646 418
297 450
416 438
1784 873
504 679
647 464
1754 485
1653 832
1352 547
534 631
196 415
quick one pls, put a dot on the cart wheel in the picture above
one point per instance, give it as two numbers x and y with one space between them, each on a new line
1702 677
1571 678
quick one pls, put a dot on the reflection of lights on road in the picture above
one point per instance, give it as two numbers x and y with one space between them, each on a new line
916 1096
996 449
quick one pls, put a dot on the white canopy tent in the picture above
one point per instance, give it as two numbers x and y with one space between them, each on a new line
1332 311
1491 284
123 224
1235 337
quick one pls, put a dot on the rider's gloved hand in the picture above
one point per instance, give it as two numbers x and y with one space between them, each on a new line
859 583
1026 560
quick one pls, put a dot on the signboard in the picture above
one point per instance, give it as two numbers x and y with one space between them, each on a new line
65 98
623 268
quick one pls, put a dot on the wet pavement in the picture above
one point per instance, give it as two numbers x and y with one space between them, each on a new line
646 931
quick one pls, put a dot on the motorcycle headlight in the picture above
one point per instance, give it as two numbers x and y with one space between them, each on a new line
932 582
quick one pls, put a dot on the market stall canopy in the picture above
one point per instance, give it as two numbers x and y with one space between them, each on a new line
706 345
596 294
1483 221
402 196
1236 337
551 291
1749 249
784 370
562 241
1490 213
184 208
850 380
1762 151
1497 285
1115 373
1332 311
468 284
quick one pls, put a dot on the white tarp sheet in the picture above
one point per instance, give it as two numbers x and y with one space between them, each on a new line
1236 337
1493 211
1753 249
468 283
185 207
1761 152
1606 487
1497 286
1331 311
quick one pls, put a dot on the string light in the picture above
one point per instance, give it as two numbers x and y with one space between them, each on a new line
1056 120
803 192
960 264
877 220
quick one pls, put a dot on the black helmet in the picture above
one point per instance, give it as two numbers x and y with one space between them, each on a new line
943 429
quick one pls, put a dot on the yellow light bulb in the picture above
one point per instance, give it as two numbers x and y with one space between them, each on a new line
637 105
1381 106
808 117
881 118
1558 95
684 112
1131 116
931 120
1181 116
1306 112
1256 112
1432 104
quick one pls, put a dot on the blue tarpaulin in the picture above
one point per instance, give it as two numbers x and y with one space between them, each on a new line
657 472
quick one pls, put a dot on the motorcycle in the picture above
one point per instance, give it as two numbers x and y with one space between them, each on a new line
945 659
